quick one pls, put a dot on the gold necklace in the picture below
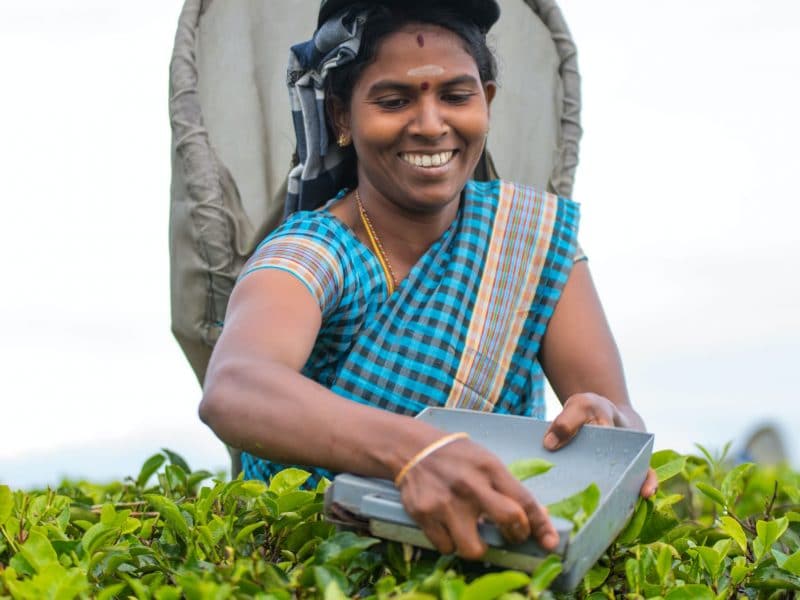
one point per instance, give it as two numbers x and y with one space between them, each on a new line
377 246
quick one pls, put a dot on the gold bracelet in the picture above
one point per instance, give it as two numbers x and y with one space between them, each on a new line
427 451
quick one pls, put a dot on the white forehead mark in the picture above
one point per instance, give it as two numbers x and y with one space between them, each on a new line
426 71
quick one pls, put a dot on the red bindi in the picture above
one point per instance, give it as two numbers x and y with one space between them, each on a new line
421 41
425 85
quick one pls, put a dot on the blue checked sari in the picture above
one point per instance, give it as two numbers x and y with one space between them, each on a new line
462 330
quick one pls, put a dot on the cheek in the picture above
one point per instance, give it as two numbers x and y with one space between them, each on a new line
377 131
475 125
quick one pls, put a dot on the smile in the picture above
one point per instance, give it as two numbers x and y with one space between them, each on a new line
427 160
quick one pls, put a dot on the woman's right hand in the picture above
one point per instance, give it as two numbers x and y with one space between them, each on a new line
450 490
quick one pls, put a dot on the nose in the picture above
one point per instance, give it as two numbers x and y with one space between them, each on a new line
429 120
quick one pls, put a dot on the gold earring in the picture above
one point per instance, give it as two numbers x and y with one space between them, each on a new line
343 140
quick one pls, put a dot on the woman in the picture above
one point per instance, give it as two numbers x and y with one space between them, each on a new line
411 286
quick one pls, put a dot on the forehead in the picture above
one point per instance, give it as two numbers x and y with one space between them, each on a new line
420 44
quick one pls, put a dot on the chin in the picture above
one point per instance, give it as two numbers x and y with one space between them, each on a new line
432 200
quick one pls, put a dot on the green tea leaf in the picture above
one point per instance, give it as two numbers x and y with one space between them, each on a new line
176 477
385 585
544 574
323 485
740 570
770 577
792 564
578 507
197 477
111 592
247 531
493 585
667 501
525 468
711 492
168 593
768 533
253 489
664 562
288 480
452 589
6 504
38 550
733 484
710 459
632 574
692 591
634 526
177 460
711 560
292 501
596 577
670 469
150 466
53 581
97 536
170 514
342 548
662 457
325 576
730 526
658 525
334 592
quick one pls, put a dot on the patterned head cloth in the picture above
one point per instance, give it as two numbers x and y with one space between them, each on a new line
322 164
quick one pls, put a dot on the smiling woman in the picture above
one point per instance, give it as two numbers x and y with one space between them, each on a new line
398 282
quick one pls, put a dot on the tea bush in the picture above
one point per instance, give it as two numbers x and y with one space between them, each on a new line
713 531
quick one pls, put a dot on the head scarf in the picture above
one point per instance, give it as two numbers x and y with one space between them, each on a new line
322 165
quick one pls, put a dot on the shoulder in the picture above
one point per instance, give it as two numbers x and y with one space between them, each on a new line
316 226
311 246
507 196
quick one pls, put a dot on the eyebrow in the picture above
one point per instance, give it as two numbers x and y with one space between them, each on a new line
389 85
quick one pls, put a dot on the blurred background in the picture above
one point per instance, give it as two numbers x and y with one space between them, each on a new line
690 219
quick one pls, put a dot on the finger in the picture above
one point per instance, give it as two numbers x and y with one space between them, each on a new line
540 526
543 530
579 410
462 525
438 535
504 512
650 485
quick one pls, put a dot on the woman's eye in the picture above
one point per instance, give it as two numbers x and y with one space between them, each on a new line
392 103
457 98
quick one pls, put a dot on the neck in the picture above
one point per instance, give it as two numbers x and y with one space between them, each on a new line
406 234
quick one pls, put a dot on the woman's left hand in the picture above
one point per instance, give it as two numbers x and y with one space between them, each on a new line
591 409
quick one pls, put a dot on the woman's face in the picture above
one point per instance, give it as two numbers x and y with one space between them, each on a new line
418 118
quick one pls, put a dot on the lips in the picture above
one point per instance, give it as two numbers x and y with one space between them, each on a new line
428 159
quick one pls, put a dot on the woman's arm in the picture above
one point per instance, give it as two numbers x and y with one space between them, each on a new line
582 363
256 399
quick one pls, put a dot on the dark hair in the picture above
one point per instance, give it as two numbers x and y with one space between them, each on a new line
384 20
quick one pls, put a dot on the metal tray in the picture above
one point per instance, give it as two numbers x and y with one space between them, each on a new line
614 459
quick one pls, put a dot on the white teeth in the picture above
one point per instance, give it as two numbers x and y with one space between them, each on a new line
427 160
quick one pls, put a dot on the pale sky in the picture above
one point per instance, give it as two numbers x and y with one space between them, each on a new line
686 179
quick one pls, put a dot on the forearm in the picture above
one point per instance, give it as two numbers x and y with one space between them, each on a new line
271 411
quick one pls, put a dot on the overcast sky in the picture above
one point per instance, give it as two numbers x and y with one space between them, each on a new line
690 219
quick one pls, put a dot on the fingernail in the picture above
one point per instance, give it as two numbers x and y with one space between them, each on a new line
551 441
550 541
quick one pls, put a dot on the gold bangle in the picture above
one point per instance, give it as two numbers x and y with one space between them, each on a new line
427 451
